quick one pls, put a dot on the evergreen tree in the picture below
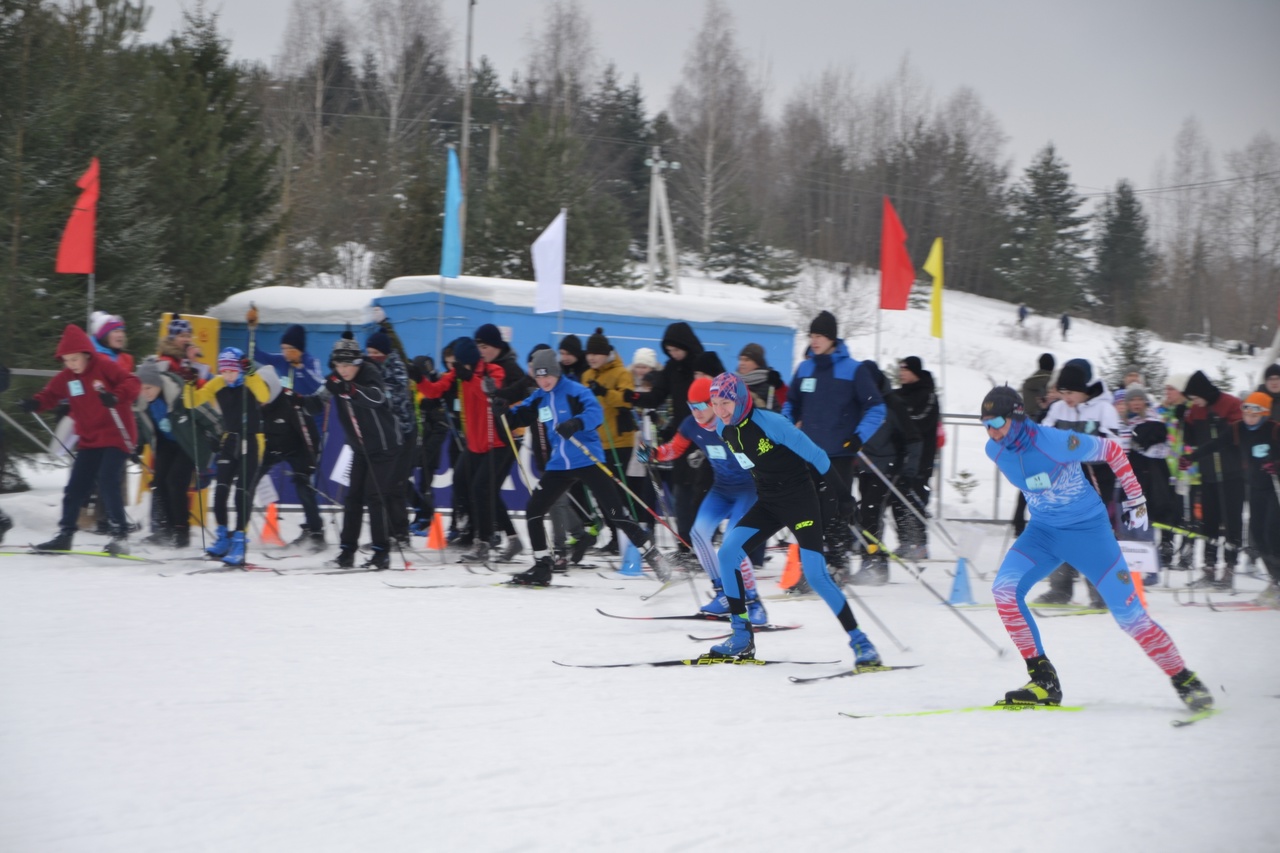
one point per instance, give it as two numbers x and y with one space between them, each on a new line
415 224
1124 260
1044 262
211 173
739 256
1134 349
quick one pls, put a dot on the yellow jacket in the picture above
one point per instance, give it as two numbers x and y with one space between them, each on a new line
619 428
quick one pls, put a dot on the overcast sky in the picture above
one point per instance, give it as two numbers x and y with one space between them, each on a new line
1108 81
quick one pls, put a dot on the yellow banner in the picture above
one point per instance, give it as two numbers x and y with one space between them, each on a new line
933 267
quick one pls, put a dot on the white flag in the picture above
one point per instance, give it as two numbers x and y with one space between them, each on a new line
548 267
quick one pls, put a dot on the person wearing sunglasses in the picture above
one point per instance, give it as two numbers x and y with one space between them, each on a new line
1257 439
1069 523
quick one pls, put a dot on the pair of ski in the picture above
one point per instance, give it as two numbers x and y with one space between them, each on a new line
22 550
1181 722
712 659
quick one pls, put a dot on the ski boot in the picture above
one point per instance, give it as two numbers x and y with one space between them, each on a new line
379 560
478 554
1191 691
718 606
159 538
61 542
865 656
801 588
346 559
739 645
1042 689
117 546
510 549
181 538
578 547
560 564
874 571
659 563
539 575
756 614
221 545
235 554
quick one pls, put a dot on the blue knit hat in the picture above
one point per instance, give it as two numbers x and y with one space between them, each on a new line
379 341
465 352
295 336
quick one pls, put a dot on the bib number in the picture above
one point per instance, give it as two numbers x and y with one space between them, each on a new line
808 385
544 414
714 452
75 388
744 461
1039 482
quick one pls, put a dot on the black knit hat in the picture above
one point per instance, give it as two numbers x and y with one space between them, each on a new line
1273 370
1003 401
824 324
755 352
1047 362
913 363
489 335
598 344
536 347
572 344
295 336
1200 386
1076 375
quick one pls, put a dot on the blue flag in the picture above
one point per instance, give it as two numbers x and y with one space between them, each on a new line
451 249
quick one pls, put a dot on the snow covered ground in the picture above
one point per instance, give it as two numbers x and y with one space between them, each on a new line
260 712
267 712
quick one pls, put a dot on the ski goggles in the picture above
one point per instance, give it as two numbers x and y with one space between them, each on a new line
1253 408
699 407
994 423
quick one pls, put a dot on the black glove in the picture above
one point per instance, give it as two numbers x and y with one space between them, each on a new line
108 399
597 389
499 406
336 385
135 458
464 372
853 443
30 404
420 367
62 410
569 427
631 397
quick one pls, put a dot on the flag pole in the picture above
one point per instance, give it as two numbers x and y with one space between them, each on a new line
90 314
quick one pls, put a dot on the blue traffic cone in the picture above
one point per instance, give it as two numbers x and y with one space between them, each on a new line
960 593
631 564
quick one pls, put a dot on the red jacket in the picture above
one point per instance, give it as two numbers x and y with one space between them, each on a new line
483 433
94 423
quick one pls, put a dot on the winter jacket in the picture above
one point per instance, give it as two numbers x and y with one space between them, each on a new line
396 379
618 431
515 384
920 401
288 426
1034 389
675 378
304 378
94 422
1204 424
482 432
895 447
1255 445
564 402
240 406
364 411
167 418
831 398
1097 415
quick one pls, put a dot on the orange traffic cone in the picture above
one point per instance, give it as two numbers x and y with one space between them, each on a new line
1141 589
792 573
435 536
271 530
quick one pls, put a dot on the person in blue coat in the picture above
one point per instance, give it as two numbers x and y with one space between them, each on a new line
298 369
836 402
570 415
779 457
1069 523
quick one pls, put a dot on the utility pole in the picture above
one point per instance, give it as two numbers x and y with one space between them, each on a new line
660 213
466 132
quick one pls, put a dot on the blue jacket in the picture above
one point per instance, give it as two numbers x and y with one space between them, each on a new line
306 381
832 397
550 409
729 475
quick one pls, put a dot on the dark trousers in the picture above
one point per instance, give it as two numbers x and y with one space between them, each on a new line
169 485
301 468
401 488
1222 510
488 509
102 467
462 518
871 507
555 483
241 474
370 484
1264 524
911 530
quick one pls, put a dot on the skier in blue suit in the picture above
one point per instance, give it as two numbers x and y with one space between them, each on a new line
779 458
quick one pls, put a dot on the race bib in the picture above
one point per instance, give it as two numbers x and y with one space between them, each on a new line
544 414
165 426
457 404
75 388
714 452
1039 482
807 386
744 461
287 381
1260 451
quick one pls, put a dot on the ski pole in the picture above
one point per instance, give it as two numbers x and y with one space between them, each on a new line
874 618
925 520
1000 650
40 421
1179 530
627 489
124 433
24 431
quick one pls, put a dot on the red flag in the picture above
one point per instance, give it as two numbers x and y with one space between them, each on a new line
75 253
896 272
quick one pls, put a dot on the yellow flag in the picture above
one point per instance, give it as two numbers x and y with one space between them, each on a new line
933 267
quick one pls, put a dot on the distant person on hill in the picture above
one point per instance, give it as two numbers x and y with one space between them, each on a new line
1065 323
